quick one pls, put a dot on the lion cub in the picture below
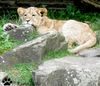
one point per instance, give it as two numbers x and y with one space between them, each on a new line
73 31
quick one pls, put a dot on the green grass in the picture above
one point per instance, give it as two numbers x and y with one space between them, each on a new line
56 54
22 73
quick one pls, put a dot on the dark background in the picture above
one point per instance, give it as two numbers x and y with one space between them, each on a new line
84 5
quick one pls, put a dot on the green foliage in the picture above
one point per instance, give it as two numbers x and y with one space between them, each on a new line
56 54
22 73
4 43
96 24
71 12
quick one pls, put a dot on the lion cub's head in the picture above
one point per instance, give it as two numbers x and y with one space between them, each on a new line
32 15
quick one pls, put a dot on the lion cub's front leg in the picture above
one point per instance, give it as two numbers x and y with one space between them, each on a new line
9 26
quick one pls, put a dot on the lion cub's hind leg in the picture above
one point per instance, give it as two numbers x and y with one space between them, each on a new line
86 45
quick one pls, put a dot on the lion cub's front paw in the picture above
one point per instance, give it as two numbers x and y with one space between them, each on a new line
9 26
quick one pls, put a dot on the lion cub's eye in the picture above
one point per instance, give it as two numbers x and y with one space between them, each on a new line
33 15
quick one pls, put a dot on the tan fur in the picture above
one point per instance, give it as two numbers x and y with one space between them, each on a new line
73 31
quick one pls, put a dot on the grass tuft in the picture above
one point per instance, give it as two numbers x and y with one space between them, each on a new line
22 73
56 54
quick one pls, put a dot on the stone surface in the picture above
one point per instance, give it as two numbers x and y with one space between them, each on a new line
22 33
34 50
98 36
68 71
93 52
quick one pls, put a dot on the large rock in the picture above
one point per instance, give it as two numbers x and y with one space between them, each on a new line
22 33
68 71
34 50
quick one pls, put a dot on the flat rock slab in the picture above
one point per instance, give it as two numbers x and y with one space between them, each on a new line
68 71
93 52
33 51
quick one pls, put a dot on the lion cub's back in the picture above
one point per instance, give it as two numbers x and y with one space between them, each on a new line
77 30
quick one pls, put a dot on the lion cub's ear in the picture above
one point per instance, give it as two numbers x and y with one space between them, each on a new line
20 11
42 11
